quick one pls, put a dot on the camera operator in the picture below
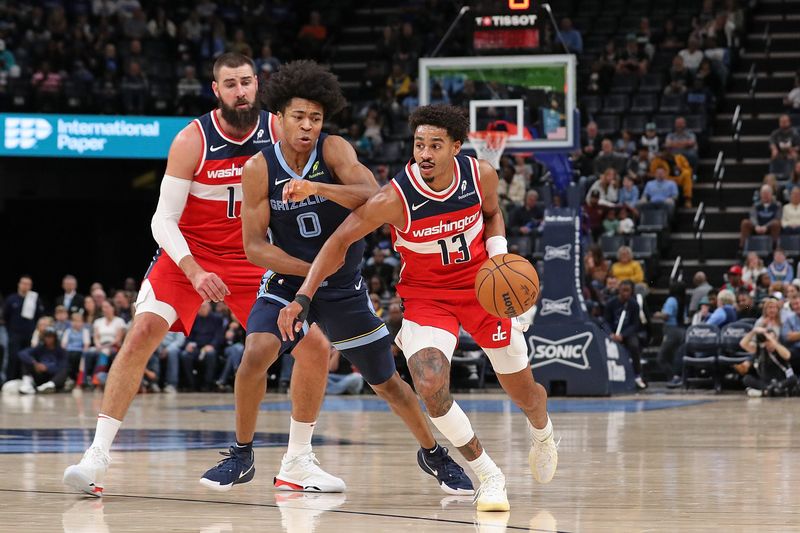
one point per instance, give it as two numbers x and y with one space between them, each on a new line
771 363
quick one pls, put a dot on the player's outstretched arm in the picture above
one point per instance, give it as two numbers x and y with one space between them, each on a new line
494 225
184 154
384 207
255 220
356 182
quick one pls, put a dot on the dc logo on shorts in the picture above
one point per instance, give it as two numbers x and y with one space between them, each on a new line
24 133
557 252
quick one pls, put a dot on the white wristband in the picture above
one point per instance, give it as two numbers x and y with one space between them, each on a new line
496 245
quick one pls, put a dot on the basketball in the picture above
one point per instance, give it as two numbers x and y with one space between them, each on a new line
507 285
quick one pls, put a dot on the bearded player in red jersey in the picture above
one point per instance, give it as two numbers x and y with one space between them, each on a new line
197 223
446 222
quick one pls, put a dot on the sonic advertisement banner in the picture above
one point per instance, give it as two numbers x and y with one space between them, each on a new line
566 346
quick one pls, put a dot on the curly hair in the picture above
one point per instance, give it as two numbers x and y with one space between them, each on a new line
453 119
304 79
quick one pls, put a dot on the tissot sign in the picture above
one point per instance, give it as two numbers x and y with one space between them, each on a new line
565 345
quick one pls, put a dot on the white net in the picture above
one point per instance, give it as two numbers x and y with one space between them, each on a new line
489 145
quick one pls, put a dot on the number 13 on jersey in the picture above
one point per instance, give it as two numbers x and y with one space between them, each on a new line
457 244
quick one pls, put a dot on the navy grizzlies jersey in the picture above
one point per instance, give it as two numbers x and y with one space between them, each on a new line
301 228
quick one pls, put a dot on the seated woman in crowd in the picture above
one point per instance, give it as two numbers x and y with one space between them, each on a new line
753 268
625 268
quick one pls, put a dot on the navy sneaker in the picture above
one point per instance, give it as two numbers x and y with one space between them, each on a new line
448 473
237 467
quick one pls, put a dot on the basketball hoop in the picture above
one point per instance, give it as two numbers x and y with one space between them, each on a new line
489 145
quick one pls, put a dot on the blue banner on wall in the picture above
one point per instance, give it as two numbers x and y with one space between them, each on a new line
99 136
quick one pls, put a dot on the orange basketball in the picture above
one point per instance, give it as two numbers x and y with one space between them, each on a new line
507 285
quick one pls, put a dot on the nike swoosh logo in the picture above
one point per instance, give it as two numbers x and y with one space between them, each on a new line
282 181
414 207
435 472
215 148
358 285
247 472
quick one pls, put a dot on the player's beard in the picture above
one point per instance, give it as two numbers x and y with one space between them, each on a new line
240 119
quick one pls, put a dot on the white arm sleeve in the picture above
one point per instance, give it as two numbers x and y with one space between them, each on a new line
174 192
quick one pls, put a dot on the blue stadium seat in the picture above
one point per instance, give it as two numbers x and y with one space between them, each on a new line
760 244
610 244
701 352
646 103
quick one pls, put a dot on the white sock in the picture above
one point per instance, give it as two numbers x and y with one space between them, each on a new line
483 466
300 438
106 431
542 434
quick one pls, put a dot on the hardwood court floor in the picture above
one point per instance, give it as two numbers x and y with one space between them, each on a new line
651 462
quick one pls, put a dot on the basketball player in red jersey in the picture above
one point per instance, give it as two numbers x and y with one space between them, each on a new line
446 222
197 223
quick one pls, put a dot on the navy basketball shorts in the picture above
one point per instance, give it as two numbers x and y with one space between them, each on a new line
346 317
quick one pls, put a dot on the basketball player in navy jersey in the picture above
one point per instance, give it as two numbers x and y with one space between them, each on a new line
201 257
446 222
301 189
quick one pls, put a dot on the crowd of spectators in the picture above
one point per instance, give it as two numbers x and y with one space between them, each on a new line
71 340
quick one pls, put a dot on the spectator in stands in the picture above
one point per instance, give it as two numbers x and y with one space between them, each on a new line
791 100
625 145
595 267
408 48
678 170
673 313
44 368
692 55
70 299
753 268
607 186
775 365
626 224
122 306
170 351
625 268
638 167
571 37
683 142
765 217
650 140
312 35
234 351
608 158
704 310
725 313
590 147
629 195
735 282
61 322
595 213
645 37
510 188
632 59
7 60
790 214
661 191
700 290
610 223
783 144
46 84
42 325
762 287
134 90
342 377
629 328
20 312
188 87
400 82
680 77
377 266
706 78
76 340
780 269
527 218
202 346
790 330
108 332
90 310
745 306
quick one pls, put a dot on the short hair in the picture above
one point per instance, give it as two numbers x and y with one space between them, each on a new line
627 283
451 118
726 297
232 60
304 79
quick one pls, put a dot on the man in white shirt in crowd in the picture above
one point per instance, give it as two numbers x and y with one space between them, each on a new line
790 216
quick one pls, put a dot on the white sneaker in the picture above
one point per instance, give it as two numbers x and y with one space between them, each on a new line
491 495
754 393
87 476
26 387
543 458
640 384
46 387
170 389
302 473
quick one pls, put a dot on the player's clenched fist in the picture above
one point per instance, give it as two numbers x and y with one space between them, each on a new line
298 190
209 286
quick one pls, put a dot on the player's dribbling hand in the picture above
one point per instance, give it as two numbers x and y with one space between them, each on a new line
298 190
288 324
209 286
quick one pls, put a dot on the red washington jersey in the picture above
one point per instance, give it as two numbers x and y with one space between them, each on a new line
441 246
210 222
